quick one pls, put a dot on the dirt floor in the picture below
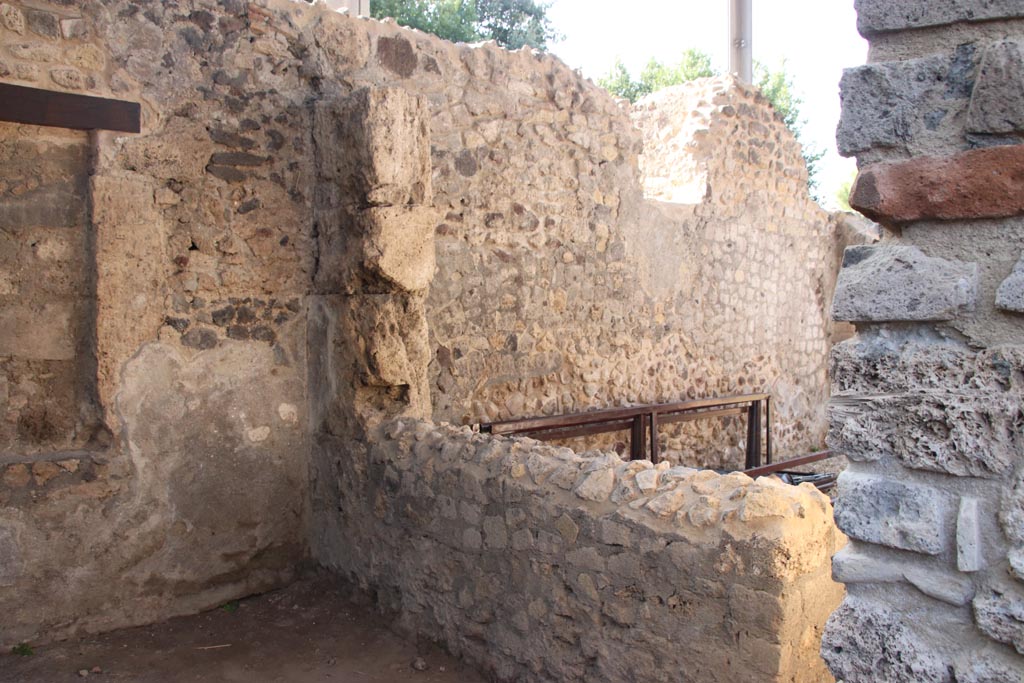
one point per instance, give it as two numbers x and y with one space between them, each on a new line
310 631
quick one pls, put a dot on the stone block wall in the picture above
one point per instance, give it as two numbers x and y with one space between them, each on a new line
927 397
536 563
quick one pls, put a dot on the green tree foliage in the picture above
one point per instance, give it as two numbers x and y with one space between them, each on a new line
655 76
512 23
776 86
843 193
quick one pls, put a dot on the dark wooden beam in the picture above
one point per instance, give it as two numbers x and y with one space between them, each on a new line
33 106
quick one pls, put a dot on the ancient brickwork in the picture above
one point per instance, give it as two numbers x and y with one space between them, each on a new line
539 564
927 398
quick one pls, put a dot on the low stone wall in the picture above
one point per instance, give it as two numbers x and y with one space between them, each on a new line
539 564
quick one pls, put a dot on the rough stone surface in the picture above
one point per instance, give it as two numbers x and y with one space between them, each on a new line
12 18
888 283
537 310
1010 295
971 184
909 106
934 405
989 672
905 516
969 552
975 184
400 245
998 98
9 558
238 296
977 436
867 643
999 613
879 16
617 580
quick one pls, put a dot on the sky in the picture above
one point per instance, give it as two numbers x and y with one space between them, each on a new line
817 39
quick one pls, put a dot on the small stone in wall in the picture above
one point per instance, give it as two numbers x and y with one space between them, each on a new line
43 472
897 283
35 52
597 486
26 72
997 102
969 557
12 18
72 79
866 643
43 23
74 29
200 338
890 513
397 56
288 412
17 476
1010 295
10 564
999 613
258 434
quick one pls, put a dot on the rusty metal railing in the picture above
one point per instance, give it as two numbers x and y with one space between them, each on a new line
646 419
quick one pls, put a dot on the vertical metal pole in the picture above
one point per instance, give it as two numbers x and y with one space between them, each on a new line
741 53
636 439
768 429
753 435
655 457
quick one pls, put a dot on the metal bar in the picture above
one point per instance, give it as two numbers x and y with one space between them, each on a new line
613 414
33 106
702 415
575 432
768 428
636 439
788 464
753 458
655 457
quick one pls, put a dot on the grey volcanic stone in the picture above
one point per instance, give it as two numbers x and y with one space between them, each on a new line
868 643
916 101
893 283
881 16
999 613
997 103
984 671
1010 295
887 512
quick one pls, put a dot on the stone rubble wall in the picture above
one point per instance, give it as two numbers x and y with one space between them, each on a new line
562 287
138 479
321 218
928 397
537 563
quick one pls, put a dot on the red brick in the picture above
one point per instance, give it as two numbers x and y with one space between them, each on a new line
984 183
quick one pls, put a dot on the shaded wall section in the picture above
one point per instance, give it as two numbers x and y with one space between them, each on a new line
927 397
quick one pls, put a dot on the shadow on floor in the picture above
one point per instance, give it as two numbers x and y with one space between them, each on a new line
310 631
